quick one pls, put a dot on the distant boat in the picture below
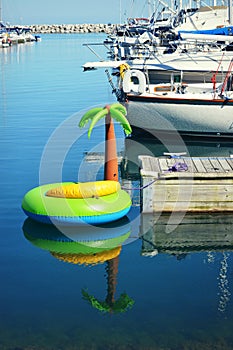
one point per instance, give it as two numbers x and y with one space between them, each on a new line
148 37
14 34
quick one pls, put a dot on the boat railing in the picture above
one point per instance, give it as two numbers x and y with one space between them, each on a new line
91 45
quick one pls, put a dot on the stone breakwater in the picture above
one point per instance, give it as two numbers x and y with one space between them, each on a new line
72 28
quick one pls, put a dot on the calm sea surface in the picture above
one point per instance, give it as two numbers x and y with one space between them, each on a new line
156 285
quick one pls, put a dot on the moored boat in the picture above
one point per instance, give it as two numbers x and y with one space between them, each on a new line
197 109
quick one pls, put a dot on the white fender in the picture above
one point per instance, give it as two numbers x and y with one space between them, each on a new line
127 84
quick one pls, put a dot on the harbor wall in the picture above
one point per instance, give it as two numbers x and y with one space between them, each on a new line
71 28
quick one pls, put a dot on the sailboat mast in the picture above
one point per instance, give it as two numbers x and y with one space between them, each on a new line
0 11
230 10
151 7
120 9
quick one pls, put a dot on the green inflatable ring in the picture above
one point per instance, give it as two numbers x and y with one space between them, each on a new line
96 210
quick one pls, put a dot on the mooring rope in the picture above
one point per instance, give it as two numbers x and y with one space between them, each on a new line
139 188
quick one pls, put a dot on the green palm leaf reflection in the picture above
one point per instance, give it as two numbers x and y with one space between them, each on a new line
121 305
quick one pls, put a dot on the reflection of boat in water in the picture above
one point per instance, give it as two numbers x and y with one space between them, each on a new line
83 245
196 232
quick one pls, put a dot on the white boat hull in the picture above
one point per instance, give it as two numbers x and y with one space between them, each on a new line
185 116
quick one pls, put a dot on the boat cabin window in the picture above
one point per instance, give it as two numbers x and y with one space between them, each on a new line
177 79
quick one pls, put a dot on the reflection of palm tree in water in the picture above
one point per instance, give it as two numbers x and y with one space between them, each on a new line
124 302
111 257
110 304
117 112
112 270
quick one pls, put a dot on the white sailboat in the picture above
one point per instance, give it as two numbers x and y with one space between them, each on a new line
191 109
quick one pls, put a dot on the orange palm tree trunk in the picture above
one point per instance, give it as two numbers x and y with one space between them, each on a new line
111 163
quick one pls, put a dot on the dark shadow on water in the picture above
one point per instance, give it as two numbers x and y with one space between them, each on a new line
154 146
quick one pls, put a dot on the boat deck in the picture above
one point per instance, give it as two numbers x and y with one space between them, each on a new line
179 183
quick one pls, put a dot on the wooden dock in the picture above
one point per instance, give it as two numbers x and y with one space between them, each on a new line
192 184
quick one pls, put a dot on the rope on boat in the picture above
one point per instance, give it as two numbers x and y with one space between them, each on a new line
213 79
227 76
114 89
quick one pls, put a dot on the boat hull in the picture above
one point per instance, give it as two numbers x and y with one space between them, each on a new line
187 116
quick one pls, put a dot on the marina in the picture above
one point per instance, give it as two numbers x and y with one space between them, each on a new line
159 275
170 76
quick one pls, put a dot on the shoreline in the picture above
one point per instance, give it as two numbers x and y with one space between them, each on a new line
69 28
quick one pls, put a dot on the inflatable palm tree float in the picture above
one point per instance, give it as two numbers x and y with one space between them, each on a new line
117 112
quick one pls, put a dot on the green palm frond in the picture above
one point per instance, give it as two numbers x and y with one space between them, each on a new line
120 117
101 114
88 116
117 112
119 107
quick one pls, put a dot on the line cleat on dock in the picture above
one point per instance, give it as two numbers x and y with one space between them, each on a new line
175 155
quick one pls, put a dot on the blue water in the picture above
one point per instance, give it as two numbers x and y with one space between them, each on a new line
179 283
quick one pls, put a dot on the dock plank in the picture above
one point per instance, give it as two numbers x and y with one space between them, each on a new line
207 165
146 164
163 164
230 162
149 167
154 162
225 165
191 165
195 192
216 165
199 166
